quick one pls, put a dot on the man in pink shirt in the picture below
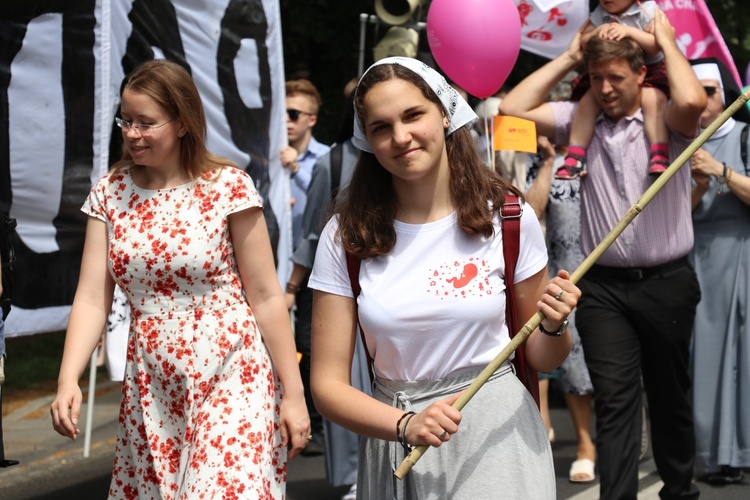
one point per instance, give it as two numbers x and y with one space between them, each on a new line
638 306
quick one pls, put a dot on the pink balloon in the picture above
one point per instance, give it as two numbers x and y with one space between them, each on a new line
475 42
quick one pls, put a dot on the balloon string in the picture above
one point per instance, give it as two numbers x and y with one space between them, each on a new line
489 140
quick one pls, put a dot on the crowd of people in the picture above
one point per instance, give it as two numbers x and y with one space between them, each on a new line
401 282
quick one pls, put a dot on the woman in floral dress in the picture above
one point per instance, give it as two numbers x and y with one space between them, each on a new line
202 414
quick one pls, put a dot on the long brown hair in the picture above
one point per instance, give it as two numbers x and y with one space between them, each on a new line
367 208
172 88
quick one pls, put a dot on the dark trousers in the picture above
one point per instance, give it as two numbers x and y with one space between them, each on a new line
302 337
2 446
634 322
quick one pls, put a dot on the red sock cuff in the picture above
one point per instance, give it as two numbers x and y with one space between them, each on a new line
578 150
659 148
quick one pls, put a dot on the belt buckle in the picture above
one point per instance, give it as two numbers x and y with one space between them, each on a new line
635 274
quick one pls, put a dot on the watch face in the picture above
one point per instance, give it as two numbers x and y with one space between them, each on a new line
564 326
721 180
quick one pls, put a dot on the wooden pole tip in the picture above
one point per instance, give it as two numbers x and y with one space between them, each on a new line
404 468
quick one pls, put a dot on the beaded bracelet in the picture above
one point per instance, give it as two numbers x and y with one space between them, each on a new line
399 436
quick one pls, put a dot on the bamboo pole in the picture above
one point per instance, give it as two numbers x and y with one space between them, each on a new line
412 458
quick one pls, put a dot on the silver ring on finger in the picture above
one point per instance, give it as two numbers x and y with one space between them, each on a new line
443 436
559 294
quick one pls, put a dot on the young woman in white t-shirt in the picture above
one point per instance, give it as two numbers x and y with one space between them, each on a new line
421 213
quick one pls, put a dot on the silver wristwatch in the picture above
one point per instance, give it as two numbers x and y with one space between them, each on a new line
559 332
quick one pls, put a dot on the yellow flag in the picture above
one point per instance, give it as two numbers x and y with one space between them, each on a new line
515 134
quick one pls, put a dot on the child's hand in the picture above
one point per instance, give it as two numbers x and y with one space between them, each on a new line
617 31
603 30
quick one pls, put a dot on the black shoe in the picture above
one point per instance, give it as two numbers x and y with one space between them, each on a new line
316 446
726 475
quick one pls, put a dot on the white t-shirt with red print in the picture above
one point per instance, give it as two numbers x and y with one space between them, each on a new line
433 307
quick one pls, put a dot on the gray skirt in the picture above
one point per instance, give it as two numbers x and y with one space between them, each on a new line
501 449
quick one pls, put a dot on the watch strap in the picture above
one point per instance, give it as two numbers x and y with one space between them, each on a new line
558 333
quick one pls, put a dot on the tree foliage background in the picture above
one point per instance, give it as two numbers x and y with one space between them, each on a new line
322 40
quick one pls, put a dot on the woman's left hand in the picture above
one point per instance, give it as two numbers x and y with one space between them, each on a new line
560 298
295 425
703 163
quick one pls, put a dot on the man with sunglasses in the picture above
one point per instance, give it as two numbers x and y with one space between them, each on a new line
302 106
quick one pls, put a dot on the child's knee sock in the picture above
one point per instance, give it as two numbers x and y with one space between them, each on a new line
659 153
658 157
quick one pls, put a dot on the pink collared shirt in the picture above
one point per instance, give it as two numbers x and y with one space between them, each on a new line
617 178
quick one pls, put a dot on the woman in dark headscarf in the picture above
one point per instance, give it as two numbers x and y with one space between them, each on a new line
721 341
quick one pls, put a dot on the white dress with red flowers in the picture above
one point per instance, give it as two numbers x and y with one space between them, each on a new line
200 399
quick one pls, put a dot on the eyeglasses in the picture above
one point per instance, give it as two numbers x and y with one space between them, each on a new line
294 114
142 128
711 90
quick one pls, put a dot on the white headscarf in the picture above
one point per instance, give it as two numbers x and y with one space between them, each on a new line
456 108
711 71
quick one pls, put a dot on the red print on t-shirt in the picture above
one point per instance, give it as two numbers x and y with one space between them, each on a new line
470 272
461 279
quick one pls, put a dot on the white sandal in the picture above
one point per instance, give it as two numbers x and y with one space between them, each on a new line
582 467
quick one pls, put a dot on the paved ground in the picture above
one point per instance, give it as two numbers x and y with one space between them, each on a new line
54 468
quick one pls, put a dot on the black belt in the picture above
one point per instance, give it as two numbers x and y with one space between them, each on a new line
637 273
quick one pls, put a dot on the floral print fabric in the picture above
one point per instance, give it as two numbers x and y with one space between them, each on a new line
200 401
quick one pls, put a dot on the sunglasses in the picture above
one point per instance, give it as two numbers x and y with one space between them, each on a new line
294 114
711 90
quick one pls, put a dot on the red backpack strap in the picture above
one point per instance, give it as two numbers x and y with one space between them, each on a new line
353 264
510 215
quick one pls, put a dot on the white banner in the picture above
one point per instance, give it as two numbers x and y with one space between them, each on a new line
59 91
548 26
